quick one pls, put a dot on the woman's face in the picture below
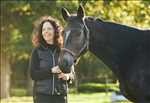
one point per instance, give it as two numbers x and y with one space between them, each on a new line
48 32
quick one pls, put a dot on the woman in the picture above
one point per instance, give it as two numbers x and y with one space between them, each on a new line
50 84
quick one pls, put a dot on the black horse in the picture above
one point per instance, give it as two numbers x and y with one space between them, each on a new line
126 50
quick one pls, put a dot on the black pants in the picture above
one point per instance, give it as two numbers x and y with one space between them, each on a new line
42 98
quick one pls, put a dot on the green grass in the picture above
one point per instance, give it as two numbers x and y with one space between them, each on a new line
89 98
97 87
92 93
73 98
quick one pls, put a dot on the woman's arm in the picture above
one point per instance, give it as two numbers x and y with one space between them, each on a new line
35 71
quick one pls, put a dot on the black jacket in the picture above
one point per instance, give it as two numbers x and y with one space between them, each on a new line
42 60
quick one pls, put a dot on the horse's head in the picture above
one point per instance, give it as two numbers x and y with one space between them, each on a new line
76 37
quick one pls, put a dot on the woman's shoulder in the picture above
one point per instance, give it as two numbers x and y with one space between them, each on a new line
35 50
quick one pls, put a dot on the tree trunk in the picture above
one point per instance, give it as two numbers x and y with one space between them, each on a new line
4 77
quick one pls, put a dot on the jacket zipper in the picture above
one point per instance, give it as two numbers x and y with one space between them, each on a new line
53 54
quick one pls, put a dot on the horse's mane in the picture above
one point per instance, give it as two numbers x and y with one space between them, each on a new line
114 25
120 29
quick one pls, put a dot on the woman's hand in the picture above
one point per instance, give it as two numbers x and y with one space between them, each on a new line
56 69
64 76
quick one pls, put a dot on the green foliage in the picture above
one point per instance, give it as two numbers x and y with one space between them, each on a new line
133 13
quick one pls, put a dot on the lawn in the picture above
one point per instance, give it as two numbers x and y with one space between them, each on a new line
89 98
73 98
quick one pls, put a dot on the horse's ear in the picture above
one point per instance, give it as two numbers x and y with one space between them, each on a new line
80 12
65 13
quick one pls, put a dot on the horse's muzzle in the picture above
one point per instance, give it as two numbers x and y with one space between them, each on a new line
65 62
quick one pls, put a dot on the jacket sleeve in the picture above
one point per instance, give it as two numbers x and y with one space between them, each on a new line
35 72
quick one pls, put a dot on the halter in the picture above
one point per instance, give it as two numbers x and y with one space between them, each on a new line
85 46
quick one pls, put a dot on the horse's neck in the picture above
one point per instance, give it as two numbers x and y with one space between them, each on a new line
99 45
103 47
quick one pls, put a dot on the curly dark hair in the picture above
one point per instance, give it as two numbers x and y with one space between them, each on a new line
37 31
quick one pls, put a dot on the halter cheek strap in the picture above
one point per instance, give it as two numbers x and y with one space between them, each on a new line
69 51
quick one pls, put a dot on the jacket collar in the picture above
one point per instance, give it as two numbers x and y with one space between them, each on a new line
46 47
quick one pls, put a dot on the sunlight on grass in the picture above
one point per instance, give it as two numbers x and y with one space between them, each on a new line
73 98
